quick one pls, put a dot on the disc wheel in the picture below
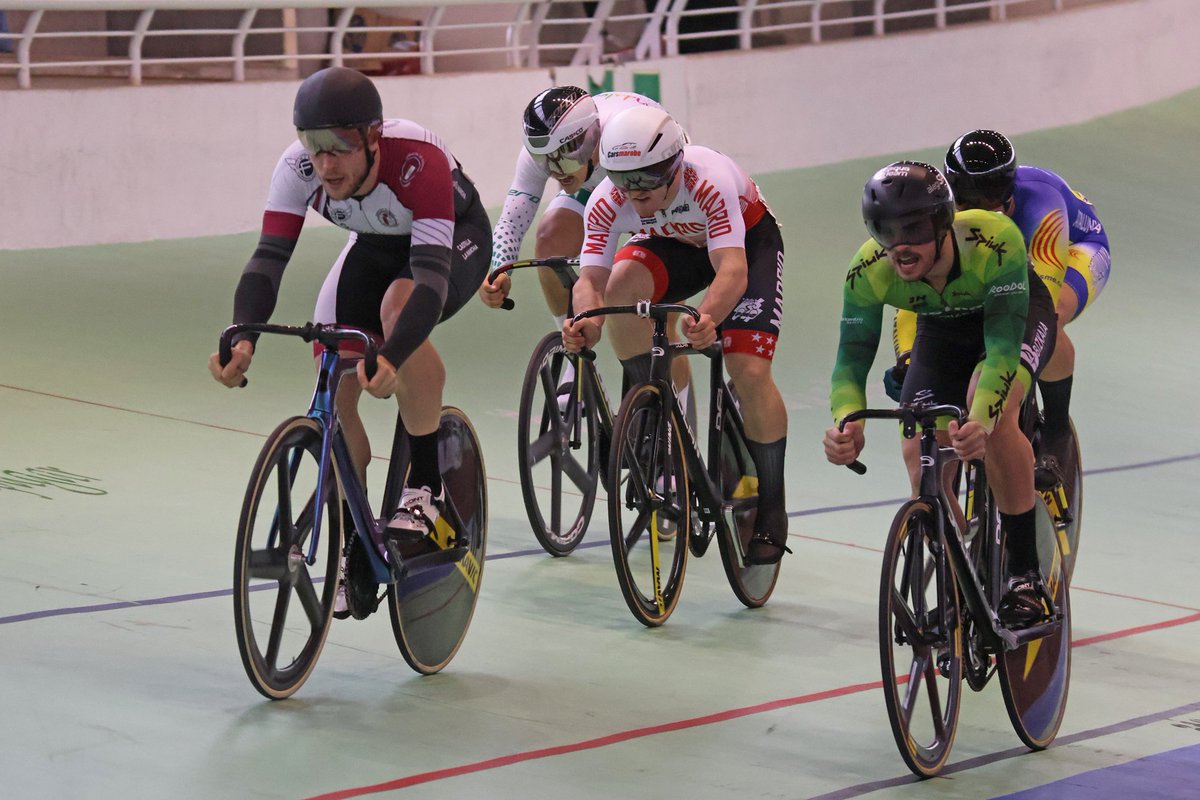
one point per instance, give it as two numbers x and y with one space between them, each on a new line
920 640
1035 677
283 584
432 607
752 584
648 506
557 453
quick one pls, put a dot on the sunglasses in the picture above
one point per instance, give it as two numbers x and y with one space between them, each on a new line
341 141
905 230
648 178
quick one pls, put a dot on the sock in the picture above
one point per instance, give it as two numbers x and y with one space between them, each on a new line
1020 541
772 511
559 321
1056 406
423 467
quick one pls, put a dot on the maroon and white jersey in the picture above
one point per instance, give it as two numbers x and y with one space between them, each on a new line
414 194
717 202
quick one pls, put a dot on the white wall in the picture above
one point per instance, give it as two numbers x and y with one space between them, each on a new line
155 162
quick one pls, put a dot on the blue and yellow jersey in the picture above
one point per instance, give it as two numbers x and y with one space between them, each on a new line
1052 216
990 278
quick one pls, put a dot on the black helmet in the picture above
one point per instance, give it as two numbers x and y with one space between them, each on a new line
907 202
981 166
562 128
336 97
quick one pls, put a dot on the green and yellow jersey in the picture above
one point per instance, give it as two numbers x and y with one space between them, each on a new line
989 279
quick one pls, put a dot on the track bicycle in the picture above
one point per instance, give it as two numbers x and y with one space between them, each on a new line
563 429
664 499
306 514
942 580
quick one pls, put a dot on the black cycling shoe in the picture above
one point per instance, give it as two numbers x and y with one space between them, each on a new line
1023 603
763 549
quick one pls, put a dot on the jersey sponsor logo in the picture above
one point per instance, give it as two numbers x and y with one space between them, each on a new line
858 269
682 208
713 206
1031 353
1087 224
852 320
1007 288
602 215
982 240
618 197
339 213
916 301
1006 382
303 167
386 218
777 312
413 164
673 230
690 177
748 309
595 243
467 248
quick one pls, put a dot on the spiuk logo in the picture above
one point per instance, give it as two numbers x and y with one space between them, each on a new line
981 240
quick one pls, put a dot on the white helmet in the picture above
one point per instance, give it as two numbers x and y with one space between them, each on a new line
642 148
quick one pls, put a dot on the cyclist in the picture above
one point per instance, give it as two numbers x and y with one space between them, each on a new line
562 128
699 222
1067 246
985 327
419 246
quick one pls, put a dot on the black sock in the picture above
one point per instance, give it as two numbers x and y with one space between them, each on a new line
1056 406
1020 541
772 510
423 467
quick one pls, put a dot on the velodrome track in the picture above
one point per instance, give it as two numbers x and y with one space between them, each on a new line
119 673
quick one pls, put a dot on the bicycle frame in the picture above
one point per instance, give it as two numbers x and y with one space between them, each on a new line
334 450
933 491
704 476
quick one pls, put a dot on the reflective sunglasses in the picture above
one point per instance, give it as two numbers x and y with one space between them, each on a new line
341 141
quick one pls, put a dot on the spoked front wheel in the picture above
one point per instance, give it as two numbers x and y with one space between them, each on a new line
751 583
557 453
432 607
648 506
1036 676
920 640
285 572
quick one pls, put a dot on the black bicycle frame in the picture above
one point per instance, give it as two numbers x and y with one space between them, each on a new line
932 490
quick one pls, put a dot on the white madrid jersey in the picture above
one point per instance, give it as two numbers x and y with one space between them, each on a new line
716 204
525 194
413 196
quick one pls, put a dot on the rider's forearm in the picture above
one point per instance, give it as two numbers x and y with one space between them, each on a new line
423 309
589 289
257 290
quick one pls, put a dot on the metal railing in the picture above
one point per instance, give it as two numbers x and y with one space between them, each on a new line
162 39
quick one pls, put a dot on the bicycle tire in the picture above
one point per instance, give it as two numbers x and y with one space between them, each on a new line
286 471
432 609
545 455
916 651
752 584
1035 678
638 465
